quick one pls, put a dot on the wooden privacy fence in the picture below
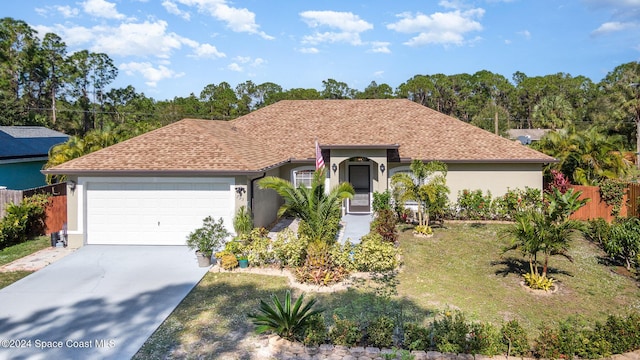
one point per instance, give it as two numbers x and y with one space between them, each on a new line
596 207
633 193
8 197
56 211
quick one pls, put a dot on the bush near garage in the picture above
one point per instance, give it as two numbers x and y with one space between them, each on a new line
23 221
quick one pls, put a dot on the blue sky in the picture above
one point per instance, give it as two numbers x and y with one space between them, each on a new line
168 48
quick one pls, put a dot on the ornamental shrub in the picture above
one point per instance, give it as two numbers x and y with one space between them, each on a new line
342 255
416 337
473 205
316 331
375 254
290 249
23 221
385 224
514 338
380 332
449 334
345 332
485 339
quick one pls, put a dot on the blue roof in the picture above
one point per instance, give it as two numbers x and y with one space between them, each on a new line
18 142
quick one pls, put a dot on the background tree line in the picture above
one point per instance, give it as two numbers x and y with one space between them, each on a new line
42 84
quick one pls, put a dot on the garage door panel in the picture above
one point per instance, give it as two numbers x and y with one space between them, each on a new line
153 213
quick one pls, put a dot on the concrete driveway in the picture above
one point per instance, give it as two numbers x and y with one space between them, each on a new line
100 302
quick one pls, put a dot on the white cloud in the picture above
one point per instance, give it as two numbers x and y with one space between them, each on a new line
101 8
309 50
249 61
525 33
172 8
147 38
613 26
234 67
380 47
237 19
378 73
348 26
151 74
207 51
439 28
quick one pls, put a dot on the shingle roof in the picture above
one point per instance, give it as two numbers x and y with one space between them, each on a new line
287 130
18 142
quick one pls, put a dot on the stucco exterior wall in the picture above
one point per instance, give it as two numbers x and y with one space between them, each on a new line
497 178
265 203
75 234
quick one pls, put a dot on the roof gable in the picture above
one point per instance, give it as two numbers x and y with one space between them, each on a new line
287 131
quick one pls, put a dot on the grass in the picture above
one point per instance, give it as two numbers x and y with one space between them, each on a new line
15 252
460 267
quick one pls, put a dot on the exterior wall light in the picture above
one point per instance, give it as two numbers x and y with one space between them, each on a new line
334 167
382 168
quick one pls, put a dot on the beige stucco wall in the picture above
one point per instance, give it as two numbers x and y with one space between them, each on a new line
265 203
340 157
75 235
497 178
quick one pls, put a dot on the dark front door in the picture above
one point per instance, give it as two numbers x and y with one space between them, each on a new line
360 180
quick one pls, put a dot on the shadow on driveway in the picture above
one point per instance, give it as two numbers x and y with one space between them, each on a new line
101 302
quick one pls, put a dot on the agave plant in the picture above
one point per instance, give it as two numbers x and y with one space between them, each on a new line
288 321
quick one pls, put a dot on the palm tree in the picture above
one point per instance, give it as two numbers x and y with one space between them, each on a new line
319 210
586 157
426 185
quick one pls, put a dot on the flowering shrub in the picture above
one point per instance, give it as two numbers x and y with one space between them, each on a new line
474 205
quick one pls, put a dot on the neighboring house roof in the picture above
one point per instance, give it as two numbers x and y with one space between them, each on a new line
532 134
287 131
23 142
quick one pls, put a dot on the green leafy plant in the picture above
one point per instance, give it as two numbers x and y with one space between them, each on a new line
449 333
612 193
375 254
426 184
380 332
485 339
416 337
242 222
316 332
473 205
381 201
23 221
211 236
284 319
623 243
345 332
289 248
515 339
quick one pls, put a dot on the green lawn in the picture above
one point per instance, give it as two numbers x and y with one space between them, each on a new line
14 252
460 267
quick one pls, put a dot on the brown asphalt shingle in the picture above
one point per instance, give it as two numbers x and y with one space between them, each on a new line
288 129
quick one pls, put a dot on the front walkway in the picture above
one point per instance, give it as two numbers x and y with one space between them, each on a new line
355 226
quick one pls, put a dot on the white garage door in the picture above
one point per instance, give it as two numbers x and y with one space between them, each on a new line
157 213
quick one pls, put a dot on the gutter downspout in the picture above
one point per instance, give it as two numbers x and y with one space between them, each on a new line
252 187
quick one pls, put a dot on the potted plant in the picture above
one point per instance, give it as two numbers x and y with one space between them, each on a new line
243 261
211 236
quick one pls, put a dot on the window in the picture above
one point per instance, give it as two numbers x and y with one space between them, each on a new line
302 176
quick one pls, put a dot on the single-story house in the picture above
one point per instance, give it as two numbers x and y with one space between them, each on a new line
157 187
23 152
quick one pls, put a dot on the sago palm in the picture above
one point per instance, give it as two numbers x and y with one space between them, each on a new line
319 210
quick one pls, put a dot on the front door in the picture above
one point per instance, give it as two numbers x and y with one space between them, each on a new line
359 178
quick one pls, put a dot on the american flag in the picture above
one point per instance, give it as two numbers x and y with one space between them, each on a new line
319 159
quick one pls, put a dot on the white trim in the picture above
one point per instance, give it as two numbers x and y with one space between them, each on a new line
294 171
